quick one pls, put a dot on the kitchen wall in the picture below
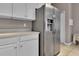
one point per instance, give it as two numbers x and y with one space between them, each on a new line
75 16
67 8
10 25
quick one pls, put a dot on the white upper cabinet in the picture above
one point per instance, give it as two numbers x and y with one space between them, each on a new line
25 11
5 10
19 10
30 10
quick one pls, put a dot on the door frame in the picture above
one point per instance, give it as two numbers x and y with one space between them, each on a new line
62 27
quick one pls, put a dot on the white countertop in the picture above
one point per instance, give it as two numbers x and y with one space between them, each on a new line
4 35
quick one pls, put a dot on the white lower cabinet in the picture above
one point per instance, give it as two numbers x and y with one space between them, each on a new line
29 48
8 50
19 46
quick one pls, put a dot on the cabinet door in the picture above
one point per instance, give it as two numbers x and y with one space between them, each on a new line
29 48
30 11
19 10
8 50
6 9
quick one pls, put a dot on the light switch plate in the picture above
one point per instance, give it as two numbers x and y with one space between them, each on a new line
71 22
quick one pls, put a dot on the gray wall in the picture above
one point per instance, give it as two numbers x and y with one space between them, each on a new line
11 25
75 16
67 8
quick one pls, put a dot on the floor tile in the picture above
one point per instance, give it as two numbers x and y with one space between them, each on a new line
71 50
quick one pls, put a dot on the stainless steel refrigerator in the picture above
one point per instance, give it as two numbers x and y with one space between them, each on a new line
48 24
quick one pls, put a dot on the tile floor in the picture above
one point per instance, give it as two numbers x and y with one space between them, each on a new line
72 50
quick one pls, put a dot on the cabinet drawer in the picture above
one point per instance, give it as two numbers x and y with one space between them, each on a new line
30 37
9 40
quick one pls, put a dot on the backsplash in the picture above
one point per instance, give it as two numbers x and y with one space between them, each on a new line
12 25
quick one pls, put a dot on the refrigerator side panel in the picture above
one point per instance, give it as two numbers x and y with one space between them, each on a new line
38 25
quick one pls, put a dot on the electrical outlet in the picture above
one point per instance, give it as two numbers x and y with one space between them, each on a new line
24 24
71 22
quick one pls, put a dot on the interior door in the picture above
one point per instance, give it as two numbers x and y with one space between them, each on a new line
29 48
8 50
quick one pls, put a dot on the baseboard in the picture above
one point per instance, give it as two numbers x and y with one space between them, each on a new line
67 43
